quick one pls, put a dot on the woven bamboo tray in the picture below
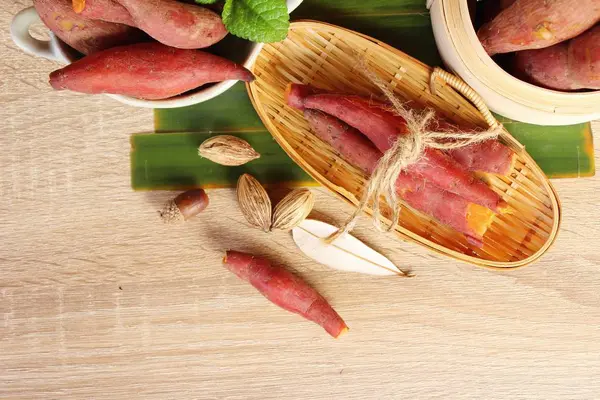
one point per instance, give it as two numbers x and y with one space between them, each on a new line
326 56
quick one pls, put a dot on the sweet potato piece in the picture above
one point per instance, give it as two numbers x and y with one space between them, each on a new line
570 65
185 26
490 156
450 209
374 120
105 10
286 290
536 24
147 71
83 34
296 93
492 8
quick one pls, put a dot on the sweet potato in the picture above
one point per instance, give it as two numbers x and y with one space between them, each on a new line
450 209
491 8
185 26
490 156
84 35
105 10
147 71
286 290
536 24
383 127
570 65
295 94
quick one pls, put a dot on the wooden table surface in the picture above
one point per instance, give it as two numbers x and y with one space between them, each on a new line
101 300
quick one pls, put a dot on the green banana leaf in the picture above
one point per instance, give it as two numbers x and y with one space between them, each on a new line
171 161
565 151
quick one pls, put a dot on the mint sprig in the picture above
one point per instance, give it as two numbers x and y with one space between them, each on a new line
263 21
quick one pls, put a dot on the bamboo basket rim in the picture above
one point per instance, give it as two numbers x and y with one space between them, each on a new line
462 33
401 231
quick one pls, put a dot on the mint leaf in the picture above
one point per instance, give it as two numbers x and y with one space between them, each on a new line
206 1
263 21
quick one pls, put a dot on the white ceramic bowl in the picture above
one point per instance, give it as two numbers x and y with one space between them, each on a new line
461 51
55 49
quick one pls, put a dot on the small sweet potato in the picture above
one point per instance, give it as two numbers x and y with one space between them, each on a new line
181 25
286 290
105 10
536 24
382 127
146 71
491 8
570 65
83 34
295 94
448 208
490 156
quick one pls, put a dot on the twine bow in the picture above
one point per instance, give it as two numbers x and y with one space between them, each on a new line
407 150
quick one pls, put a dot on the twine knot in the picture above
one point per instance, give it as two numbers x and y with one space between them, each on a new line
408 149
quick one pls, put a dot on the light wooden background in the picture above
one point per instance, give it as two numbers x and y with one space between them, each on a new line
100 300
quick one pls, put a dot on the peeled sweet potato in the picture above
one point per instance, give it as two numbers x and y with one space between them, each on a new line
448 208
536 24
570 65
147 71
83 34
181 25
105 10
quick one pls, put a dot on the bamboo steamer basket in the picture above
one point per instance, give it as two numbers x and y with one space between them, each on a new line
325 55
462 52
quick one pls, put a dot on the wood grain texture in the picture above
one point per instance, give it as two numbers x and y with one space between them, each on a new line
101 300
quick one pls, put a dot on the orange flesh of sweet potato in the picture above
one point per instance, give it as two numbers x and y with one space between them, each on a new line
383 127
83 34
450 209
105 10
181 25
536 24
286 290
570 65
146 71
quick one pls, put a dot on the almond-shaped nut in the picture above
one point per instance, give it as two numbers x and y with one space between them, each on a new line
254 202
227 150
293 209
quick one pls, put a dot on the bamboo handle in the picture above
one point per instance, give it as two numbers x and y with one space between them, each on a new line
464 89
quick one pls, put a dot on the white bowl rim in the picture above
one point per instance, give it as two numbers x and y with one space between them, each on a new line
562 108
56 50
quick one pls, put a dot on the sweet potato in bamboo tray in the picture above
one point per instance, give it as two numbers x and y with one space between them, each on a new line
328 57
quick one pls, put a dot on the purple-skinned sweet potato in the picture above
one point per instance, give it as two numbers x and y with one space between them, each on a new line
448 208
383 128
146 70
490 156
181 25
567 66
105 10
285 290
536 24
83 34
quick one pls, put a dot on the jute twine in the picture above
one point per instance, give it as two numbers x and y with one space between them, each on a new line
407 150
